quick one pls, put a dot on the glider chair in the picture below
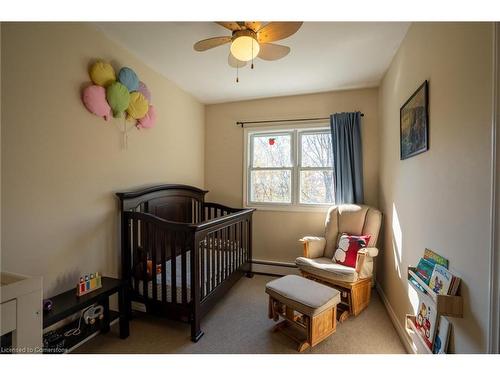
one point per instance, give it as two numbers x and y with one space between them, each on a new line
318 263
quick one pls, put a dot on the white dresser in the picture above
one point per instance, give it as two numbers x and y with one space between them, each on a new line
21 312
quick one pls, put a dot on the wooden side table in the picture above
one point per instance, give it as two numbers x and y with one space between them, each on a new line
68 303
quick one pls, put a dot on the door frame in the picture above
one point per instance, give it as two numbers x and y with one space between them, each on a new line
494 287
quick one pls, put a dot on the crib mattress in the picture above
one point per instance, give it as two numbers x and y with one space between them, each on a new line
178 277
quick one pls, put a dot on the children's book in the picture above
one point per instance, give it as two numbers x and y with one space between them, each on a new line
435 258
454 285
442 336
426 319
441 280
424 270
416 284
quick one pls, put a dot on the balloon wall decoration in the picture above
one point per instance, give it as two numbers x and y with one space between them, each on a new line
149 120
127 77
137 107
113 95
94 98
143 89
102 74
118 98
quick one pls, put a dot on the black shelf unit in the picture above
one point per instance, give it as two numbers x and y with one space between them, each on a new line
72 342
68 303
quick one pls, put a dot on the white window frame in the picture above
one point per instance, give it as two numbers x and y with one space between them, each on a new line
296 155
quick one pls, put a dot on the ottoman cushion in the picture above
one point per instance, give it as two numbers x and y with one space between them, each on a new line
305 296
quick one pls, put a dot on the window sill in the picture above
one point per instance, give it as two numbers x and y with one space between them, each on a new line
289 208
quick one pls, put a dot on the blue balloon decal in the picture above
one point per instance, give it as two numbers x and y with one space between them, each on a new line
127 77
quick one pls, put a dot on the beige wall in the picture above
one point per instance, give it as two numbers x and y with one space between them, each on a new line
61 165
276 233
440 199
0 144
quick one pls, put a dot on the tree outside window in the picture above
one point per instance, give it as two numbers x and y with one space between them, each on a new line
292 167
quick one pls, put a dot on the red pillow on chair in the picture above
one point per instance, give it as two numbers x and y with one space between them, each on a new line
348 247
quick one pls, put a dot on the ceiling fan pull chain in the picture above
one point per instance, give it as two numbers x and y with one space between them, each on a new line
251 67
237 71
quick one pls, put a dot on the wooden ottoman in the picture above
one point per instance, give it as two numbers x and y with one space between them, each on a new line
306 304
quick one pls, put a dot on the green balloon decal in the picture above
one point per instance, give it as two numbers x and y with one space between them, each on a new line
118 98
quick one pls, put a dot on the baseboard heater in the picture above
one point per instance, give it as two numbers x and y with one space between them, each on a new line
273 268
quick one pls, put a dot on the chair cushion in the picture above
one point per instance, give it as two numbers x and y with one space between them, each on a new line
353 219
327 269
303 295
348 247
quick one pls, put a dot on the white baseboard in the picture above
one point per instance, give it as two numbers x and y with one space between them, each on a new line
405 339
274 268
137 306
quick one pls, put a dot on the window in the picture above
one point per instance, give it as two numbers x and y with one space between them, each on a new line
290 168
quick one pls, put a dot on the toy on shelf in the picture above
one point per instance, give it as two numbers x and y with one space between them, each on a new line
88 283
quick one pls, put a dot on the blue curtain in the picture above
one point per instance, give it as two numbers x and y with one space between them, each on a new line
347 157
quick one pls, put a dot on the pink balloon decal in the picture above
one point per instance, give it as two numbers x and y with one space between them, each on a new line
143 89
149 120
94 98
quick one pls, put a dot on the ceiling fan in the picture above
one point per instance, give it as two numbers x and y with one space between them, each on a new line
250 40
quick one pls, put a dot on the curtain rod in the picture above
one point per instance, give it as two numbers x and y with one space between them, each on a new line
243 123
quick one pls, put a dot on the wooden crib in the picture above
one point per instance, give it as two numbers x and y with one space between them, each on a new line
180 254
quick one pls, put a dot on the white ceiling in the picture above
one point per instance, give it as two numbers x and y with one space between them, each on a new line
324 56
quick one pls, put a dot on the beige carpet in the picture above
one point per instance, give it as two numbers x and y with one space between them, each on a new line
239 324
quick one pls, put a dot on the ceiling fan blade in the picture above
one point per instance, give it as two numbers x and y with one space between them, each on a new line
253 25
230 25
277 30
269 51
205 44
234 62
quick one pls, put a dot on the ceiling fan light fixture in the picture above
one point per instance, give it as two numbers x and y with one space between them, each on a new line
245 48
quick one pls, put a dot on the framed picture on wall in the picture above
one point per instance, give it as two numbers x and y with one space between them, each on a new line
414 123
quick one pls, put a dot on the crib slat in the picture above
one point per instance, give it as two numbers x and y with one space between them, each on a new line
223 254
144 232
208 269
228 251
217 260
135 247
220 245
173 266
220 248
238 243
233 248
163 249
241 243
154 247
215 256
213 274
